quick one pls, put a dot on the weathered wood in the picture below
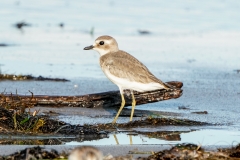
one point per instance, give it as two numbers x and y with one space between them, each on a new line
105 99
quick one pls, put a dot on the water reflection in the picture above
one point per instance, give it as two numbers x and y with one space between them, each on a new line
203 137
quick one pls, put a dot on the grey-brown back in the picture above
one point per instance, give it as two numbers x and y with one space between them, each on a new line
123 65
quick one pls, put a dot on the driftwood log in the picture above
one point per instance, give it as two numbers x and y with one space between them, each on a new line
105 99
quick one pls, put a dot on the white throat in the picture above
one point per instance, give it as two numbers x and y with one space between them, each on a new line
101 51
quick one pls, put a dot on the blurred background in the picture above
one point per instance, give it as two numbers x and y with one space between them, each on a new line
47 37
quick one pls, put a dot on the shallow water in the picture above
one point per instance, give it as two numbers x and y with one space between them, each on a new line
216 136
203 137
194 42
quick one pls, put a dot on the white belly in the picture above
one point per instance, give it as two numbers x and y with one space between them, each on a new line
137 86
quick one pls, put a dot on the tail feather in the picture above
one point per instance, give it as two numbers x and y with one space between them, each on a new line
169 86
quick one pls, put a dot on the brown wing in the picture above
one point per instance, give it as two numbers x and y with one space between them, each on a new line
124 65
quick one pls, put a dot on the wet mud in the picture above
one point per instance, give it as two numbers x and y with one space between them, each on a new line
153 122
45 139
44 124
15 124
166 135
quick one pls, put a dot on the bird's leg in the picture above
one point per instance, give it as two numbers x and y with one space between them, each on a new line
116 139
120 109
133 105
130 137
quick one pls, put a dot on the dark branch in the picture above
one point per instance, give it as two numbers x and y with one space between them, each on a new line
105 99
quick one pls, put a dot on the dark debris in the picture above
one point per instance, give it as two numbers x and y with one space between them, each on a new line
233 152
29 77
237 70
144 32
200 112
61 25
188 151
153 122
184 151
167 135
32 153
3 45
183 107
22 24
43 124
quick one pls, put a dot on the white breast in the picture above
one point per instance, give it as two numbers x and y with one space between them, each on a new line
137 86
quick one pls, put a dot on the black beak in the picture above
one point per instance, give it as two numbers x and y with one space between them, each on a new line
88 47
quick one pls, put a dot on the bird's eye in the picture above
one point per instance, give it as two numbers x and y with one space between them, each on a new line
101 43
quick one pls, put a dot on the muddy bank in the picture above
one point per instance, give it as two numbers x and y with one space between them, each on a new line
13 120
179 151
29 128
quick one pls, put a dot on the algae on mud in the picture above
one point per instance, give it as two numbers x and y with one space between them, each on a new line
25 122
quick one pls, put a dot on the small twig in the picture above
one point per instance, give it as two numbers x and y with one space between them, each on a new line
33 124
4 91
61 128
14 120
32 95
18 96
140 152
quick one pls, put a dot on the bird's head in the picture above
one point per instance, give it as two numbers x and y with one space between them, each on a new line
104 45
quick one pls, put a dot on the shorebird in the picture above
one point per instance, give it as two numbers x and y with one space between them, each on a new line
85 153
124 70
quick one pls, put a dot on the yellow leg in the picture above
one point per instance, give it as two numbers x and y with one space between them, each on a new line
133 105
116 140
120 109
130 137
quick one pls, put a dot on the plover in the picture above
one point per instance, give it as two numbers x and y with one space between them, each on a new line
85 153
124 70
